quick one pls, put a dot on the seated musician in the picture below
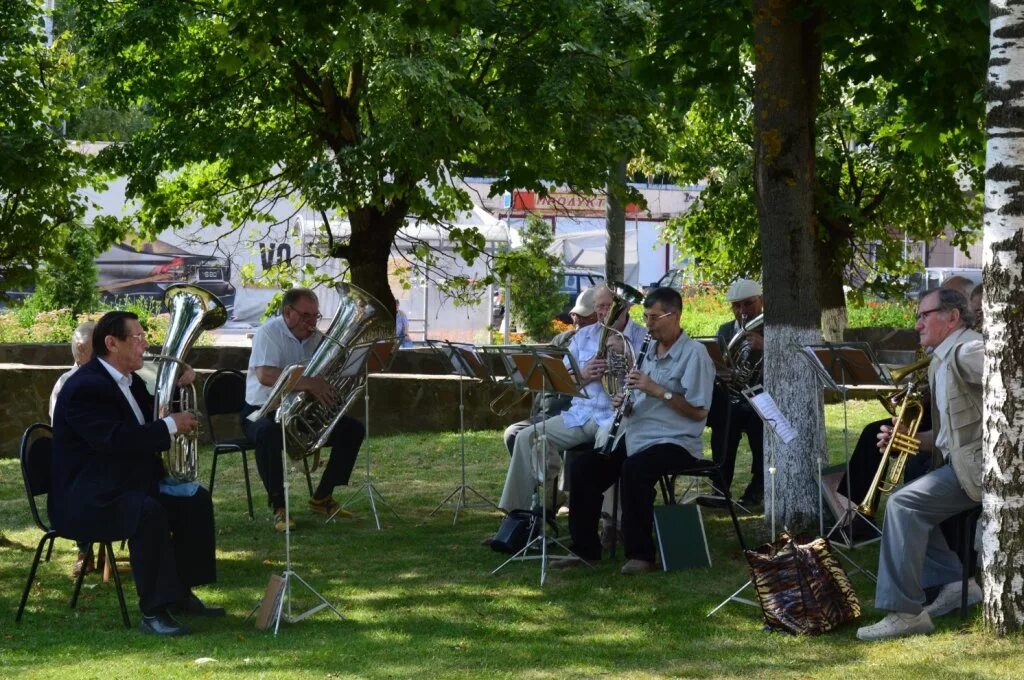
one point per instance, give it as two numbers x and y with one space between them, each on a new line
81 352
107 476
582 315
731 415
282 341
671 397
577 425
914 554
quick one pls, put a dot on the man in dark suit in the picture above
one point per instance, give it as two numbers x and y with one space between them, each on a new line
107 476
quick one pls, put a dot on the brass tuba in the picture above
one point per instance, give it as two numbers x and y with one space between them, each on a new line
903 442
744 362
192 310
359 322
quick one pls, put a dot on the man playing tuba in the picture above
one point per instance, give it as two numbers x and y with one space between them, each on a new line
731 415
914 554
107 472
284 340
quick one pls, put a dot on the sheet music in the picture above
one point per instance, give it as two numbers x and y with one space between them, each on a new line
772 416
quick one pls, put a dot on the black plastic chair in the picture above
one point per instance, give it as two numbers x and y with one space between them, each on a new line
967 526
224 395
36 455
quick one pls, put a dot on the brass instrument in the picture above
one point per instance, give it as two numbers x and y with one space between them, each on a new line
902 443
192 310
359 322
620 363
745 364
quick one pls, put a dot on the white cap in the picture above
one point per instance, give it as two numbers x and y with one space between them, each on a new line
741 289
585 302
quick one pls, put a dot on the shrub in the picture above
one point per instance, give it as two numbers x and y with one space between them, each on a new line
71 283
535 276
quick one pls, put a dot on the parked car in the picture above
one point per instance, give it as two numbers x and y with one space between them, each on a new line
574 281
680 279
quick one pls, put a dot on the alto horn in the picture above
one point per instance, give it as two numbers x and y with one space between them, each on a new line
193 310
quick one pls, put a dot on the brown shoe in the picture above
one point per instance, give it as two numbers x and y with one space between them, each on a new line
84 564
633 567
570 562
327 506
488 540
279 521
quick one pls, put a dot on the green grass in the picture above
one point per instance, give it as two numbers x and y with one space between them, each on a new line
420 601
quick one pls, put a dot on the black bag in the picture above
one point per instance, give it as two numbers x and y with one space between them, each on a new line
516 530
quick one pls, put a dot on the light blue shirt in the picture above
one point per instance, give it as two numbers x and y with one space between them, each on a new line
274 345
596 406
686 369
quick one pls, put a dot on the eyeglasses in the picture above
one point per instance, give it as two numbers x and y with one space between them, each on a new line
308 315
921 316
651 318
137 337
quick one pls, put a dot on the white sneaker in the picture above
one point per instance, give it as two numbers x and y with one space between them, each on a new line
897 624
948 598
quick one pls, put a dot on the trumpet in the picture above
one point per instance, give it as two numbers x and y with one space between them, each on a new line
903 442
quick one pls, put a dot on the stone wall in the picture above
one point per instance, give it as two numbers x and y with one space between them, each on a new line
422 398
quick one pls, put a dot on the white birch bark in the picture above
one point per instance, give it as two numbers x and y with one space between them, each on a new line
1002 549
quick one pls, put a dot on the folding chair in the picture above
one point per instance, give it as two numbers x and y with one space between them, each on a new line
224 395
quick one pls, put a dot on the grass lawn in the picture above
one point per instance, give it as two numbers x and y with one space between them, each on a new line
420 601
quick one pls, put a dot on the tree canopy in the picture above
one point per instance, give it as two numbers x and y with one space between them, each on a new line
365 110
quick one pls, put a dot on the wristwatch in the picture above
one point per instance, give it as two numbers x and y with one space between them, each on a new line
667 396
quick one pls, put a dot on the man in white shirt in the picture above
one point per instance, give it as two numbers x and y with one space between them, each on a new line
914 554
577 425
282 341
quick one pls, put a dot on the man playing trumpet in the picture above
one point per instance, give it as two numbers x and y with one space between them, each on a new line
914 554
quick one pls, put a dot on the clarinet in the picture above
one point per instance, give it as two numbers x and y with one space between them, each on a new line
627 401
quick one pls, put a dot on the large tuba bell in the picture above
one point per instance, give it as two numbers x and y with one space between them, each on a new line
745 363
193 310
620 361
360 321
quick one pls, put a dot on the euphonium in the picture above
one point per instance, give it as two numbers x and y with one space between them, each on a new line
192 310
902 443
620 362
360 321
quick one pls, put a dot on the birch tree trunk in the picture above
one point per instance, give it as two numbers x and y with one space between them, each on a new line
787 52
1002 554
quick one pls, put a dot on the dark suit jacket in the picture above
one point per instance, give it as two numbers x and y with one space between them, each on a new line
104 462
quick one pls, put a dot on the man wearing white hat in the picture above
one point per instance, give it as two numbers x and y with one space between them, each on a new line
731 414
582 315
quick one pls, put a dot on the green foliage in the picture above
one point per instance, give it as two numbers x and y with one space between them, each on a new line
535 276
29 324
39 173
71 283
880 313
363 111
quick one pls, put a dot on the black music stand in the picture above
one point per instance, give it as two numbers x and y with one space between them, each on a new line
367 358
542 371
465 363
282 606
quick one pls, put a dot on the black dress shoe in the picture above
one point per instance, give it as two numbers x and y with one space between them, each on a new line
712 501
162 624
193 606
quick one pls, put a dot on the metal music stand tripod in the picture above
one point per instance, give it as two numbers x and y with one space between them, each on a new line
466 363
543 372
283 606
374 357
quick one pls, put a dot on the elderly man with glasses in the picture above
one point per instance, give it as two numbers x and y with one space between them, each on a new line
108 479
914 554
662 434
291 338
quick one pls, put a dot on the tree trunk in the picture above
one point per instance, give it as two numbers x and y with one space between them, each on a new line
1003 479
787 67
369 250
615 224
833 298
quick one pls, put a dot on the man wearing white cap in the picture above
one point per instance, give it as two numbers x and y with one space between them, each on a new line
577 425
731 414
582 315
